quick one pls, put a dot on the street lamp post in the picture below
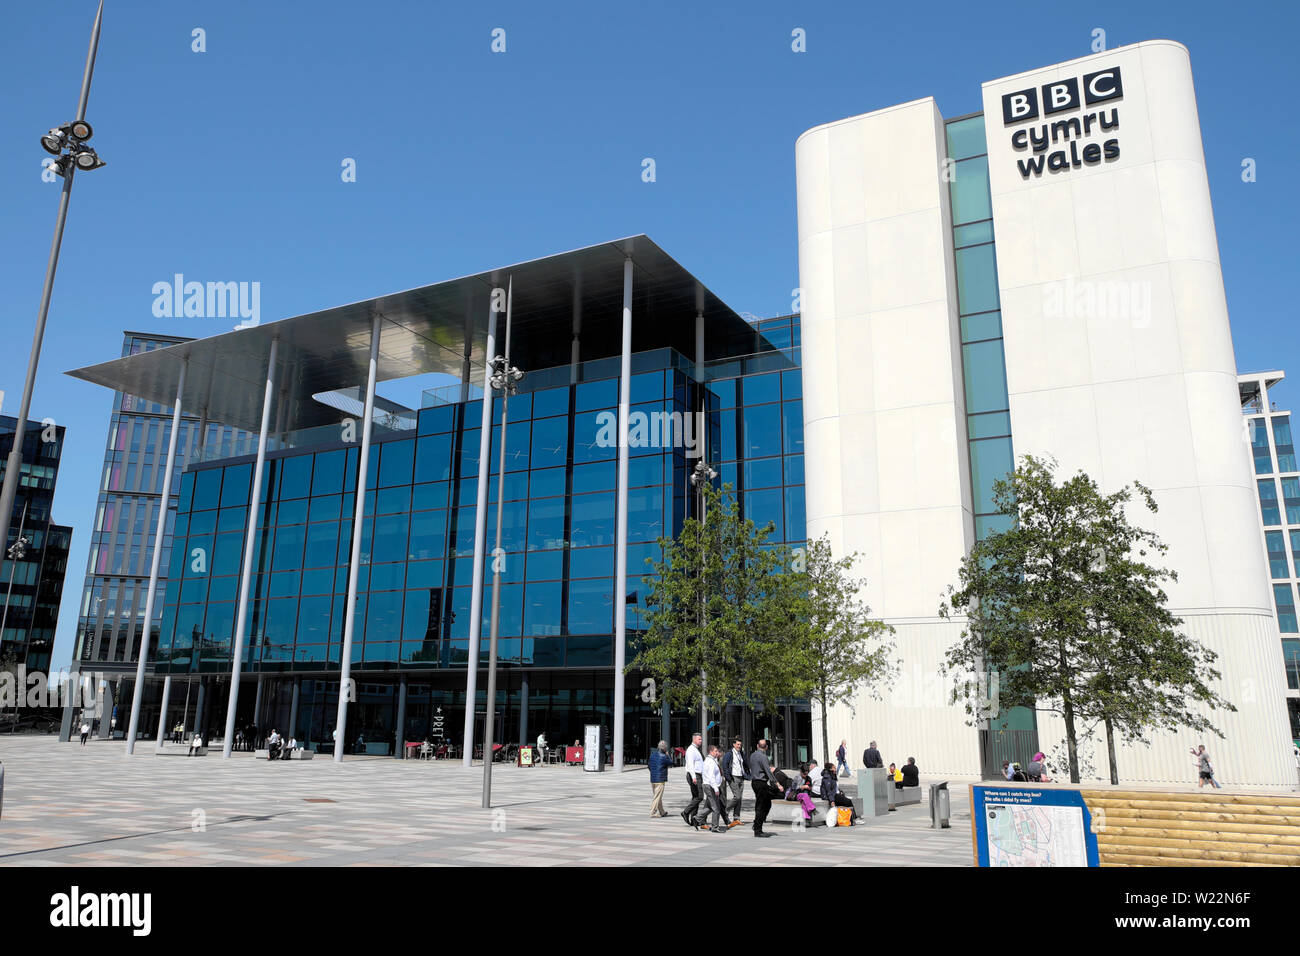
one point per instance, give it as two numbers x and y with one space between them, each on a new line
700 478
506 378
68 144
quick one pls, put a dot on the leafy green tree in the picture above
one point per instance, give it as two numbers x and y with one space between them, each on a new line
1065 608
838 649
718 616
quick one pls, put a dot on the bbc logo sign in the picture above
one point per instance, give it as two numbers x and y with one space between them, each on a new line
1062 95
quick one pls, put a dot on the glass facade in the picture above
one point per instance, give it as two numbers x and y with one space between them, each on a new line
31 585
558 527
110 618
984 372
1277 483
988 418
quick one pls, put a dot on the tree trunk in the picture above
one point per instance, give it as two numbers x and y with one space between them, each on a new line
1071 743
1110 752
826 740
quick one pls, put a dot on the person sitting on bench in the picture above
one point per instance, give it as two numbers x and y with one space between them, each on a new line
911 773
195 745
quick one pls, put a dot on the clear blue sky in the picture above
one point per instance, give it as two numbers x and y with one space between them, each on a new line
225 165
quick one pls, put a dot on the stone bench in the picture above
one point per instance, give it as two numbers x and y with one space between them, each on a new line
791 811
286 755
903 797
180 750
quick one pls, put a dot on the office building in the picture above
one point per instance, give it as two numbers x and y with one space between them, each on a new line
1039 278
1277 479
36 549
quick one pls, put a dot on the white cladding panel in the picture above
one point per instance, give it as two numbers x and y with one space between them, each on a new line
1119 362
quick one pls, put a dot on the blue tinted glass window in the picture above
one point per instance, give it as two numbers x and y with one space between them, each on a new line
545 524
392 500
986 377
595 436
292 512
762 426
1286 613
424 574
384 616
595 395
440 418
542 609
991 459
322 542
593 520
762 507
757 389
970 191
551 401
591 606
429 496
992 425
977 279
207 488
234 489
550 442
591 562
762 473
983 325
726 443
314 620
645 507
598 476
645 470
966 137
327 479
518 437
647 387
395 462
725 390
288 547
433 458
387 577
792 385
295 476
1268 506
973 233
226 554
545 565
546 483
795 521
792 425
389 539
469 451
794 470
428 535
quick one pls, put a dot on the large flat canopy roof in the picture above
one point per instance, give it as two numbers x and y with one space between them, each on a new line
436 328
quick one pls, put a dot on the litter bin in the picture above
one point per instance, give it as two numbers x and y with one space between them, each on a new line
940 806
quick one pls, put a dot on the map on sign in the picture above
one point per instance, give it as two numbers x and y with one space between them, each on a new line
1035 835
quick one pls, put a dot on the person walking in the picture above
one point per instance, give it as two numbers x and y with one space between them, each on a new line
842 759
871 757
735 772
761 779
85 732
713 791
694 777
659 764
1205 772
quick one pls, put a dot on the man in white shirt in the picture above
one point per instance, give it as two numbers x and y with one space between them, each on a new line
713 789
695 777
541 746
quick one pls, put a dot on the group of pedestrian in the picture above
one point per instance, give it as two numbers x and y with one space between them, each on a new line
717 782
1035 771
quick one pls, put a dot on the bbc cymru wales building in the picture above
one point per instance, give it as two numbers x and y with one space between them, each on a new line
1041 277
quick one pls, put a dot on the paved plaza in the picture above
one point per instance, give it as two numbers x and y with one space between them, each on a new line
68 805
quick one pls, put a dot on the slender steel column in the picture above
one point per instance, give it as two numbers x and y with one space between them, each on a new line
158 535
250 538
399 735
576 348
480 536
489 719
354 562
620 545
523 709
258 729
162 712
293 707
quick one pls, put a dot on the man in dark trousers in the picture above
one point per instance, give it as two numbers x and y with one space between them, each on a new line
735 771
694 777
761 779
871 757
